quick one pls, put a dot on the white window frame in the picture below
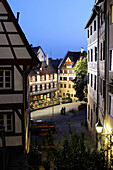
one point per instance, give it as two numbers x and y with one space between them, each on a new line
5 123
4 81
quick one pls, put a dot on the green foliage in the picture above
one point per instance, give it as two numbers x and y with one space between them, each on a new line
79 81
73 154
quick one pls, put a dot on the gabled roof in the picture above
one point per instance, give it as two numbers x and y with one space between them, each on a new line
36 49
19 48
55 63
74 56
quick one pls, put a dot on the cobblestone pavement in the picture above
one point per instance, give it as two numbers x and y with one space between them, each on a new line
77 119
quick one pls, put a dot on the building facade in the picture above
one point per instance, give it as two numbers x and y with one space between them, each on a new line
43 82
100 72
16 59
66 74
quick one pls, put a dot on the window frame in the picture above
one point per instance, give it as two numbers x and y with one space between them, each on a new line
3 77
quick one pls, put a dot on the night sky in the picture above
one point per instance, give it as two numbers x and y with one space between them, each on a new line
55 25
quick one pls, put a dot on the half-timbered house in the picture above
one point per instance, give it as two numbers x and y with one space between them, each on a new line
16 60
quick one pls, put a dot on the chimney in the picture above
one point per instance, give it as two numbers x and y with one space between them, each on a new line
47 60
82 49
18 13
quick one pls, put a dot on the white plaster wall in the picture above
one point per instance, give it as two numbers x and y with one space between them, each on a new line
22 53
18 80
2 9
3 39
40 55
15 39
1 28
10 27
5 53
11 98
18 128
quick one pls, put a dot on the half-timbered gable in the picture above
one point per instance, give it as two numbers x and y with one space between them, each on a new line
16 60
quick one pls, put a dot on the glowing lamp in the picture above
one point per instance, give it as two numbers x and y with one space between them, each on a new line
99 127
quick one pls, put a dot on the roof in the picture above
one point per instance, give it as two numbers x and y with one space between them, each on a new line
94 13
36 49
55 63
46 69
74 56
11 19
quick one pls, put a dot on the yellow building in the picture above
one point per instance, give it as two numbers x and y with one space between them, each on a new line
66 74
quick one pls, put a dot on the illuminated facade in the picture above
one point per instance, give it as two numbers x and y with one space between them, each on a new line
43 82
100 70
66 74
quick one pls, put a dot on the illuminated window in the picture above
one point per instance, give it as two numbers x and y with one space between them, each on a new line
5 79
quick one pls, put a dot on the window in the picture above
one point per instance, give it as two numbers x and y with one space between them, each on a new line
65 71
91 54
64 85
61 71
45 86
71 95
95 82
88 78
53 85
61 85
35 87
94 25
91 30
35 78
45 77
103 88
7 121
49 85
111 60
95 53
63 94
41 78
70 78
111 14
70 71
31 88
111 105
65 78
41 87
5 79
88 55
101 52
69 85
60 78
91 80
88 33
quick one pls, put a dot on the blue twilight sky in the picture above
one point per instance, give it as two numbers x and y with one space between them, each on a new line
55 25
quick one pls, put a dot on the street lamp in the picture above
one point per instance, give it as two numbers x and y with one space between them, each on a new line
99 127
